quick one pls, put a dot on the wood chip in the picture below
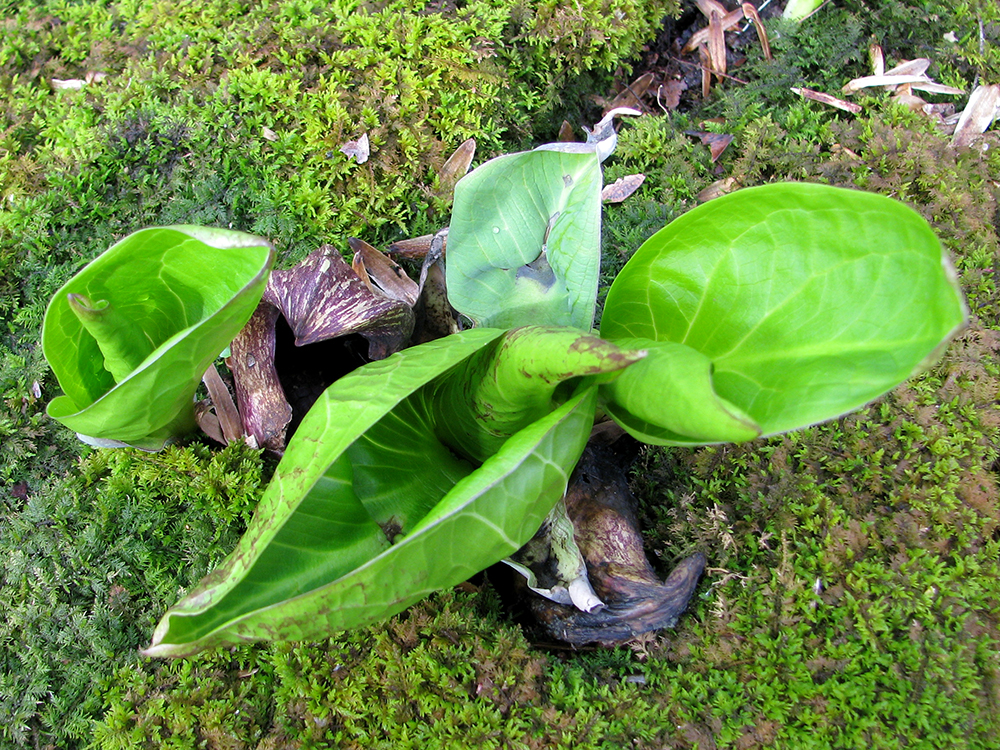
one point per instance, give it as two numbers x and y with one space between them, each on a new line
68 83
717 189
877 59
883 80
917 67
937 88
832 101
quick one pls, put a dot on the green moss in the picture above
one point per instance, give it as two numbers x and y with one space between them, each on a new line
89 561
851 598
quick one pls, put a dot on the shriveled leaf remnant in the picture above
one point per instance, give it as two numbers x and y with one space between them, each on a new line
321 299
602 510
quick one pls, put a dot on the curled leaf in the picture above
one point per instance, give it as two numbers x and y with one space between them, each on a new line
130 336
794 336
524 241
388 277
369 512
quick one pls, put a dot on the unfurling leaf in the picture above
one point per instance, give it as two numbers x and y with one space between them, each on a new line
130 336
369 511
509 384
122 342
524 241
692 414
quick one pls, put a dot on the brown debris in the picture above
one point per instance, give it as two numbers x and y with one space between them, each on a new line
716 142
455 168
979 114
601 507
631 96
832 101
622 188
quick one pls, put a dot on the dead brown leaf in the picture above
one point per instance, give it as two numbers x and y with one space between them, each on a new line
818 96
455 168
716 142
668 95
750 11
413 248
382 274
622 188
358 150
631 97
223 423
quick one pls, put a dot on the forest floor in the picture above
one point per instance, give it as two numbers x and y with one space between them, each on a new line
851 595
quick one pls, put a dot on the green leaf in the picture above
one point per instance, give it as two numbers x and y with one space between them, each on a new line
809 300
518 379
524 240
130 336
368 512
684 410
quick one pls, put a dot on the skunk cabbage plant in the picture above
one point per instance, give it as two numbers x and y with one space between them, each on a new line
765 310
130 336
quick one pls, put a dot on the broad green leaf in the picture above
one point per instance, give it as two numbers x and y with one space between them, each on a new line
130 336
368 512
668 399
524 240
809 300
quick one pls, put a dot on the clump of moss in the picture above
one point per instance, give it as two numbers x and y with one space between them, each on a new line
856 557
90 559
901 155
447 672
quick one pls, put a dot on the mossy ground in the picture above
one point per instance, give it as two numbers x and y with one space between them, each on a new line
853 595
